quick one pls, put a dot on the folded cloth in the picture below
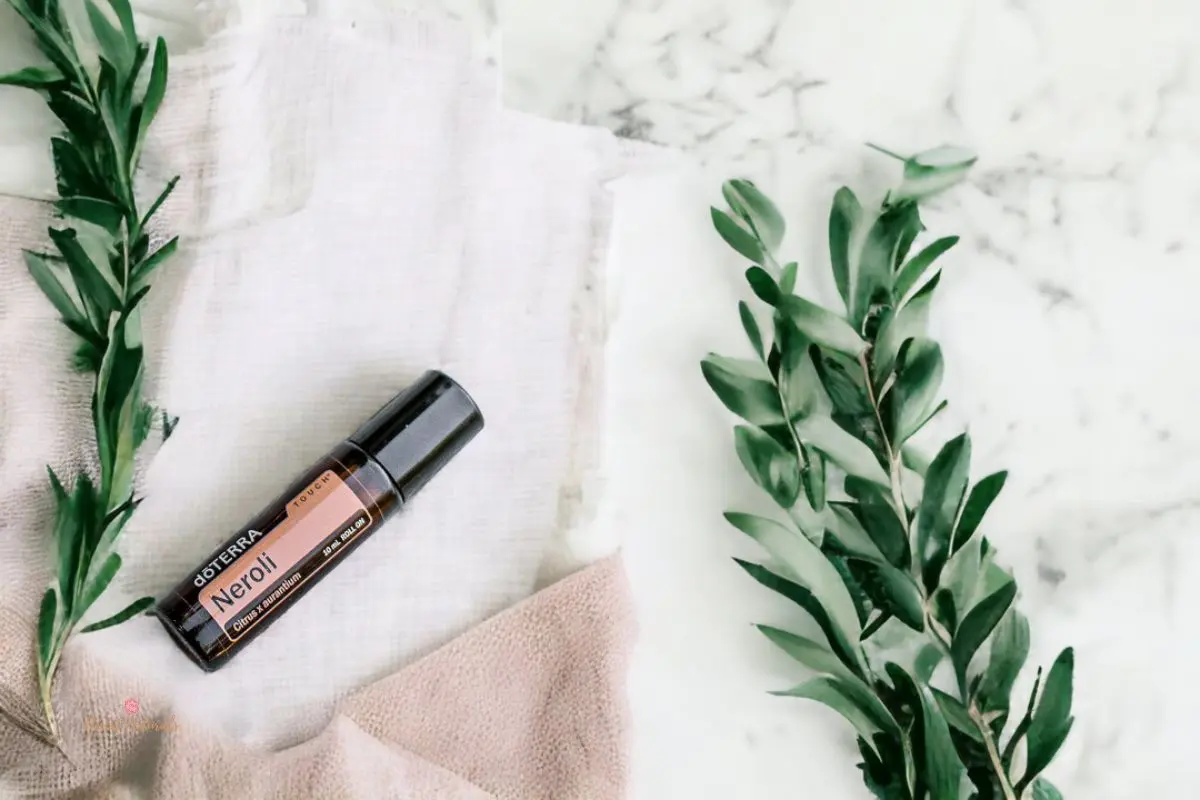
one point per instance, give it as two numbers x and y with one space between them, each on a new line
353 210
529 705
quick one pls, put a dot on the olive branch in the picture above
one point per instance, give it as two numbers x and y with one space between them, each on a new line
893 550
105 87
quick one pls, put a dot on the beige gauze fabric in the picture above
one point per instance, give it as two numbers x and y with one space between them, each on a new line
353 209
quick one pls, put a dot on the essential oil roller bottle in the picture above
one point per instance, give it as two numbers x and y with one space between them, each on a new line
246 583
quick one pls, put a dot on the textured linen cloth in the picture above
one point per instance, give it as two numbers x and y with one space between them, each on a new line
354 209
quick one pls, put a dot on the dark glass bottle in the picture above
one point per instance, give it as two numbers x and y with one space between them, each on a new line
245 584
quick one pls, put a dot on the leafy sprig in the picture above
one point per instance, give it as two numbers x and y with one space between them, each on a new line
877 544
96 274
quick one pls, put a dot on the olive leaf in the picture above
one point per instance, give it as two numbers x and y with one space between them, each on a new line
910 322
843 218
854 457
750 325
757 210
804 598
1010 648
977 626
982 495
821 326
805 565
773 468
33 78
850 699
737 237
745 387
1045 790
915 268
945 484
918 378
815 656
891 590
933 171
1052 721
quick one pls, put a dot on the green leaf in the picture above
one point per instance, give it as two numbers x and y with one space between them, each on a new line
933 171
162 198
843 524
889 234
750 325
797 378
961 577
814 478
945 609
937 762
125 16
47 627
757 210
879 520
113 44
943 770
1010 648
918 379
1045 790
910 322
843 218
763 285
956 714
926 662
33 78
55 292
915 268
71 169
131 610
945 484
1052 721
850 454
891 590
156 89
1022 728
97 583
978 502
90 209
772 467
808 601
146 268
815 656
90 281
745 387
802 562
737 237
846 390
977 626
822 326
787 278
850 699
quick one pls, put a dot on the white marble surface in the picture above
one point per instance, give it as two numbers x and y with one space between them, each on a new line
1066 317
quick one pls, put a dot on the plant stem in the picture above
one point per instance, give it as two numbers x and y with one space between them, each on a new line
932 626
993 754
891 454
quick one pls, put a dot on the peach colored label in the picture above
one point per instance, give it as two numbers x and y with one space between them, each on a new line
274 563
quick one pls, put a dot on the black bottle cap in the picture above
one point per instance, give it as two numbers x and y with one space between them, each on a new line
420 430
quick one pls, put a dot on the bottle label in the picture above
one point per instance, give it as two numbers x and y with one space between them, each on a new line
309 532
